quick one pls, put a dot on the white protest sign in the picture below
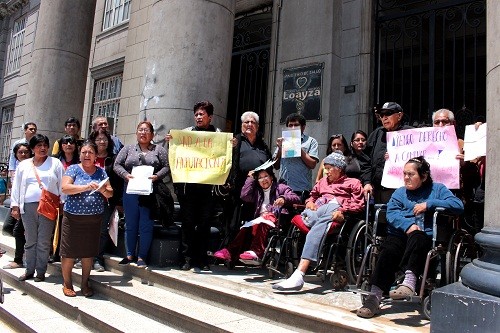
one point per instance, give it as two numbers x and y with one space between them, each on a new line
438 145
474 142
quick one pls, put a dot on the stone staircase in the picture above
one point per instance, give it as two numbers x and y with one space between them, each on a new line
130 299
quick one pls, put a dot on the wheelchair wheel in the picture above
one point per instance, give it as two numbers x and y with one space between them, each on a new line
339 280
461 251
355 250
426 306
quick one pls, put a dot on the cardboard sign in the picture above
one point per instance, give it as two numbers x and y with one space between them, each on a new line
200 157
438 145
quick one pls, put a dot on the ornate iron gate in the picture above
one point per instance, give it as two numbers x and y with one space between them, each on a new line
431 54
249 67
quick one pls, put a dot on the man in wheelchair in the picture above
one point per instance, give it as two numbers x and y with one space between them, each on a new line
409 234
330 198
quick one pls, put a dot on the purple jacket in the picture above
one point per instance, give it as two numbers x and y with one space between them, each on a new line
252 193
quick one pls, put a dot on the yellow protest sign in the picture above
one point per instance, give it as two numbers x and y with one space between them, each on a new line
200 157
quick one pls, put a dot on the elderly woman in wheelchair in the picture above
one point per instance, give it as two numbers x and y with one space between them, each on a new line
330 198
262 189
409 234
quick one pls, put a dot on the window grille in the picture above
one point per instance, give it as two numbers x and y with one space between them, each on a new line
115 12
7 115
107 99
16 46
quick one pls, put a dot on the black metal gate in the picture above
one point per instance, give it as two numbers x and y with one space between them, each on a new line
431 54
249 67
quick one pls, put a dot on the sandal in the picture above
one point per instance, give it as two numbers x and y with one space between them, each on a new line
402 291
69 292
88 292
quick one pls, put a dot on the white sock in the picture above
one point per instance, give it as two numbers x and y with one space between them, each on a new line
295 280
377 292
410 279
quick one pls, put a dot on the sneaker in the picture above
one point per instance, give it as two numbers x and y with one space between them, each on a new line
141 263
249 255
78 264
223 255
187 265
13 265
370 308
98 267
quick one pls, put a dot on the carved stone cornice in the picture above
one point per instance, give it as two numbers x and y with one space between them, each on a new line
8 7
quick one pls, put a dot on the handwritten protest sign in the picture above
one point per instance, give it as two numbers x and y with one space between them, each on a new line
291 145
200 157
438 145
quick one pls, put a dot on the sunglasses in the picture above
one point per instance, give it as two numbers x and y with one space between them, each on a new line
442 121
386 113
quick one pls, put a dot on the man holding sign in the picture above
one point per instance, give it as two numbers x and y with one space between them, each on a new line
296 170
195 194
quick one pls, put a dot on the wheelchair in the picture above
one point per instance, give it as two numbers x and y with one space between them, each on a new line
333 263
443 264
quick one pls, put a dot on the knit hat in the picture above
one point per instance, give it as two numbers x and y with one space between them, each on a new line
337 159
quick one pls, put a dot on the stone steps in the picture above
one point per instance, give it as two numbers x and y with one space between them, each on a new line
168 299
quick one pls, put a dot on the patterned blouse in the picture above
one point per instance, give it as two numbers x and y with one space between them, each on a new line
85 203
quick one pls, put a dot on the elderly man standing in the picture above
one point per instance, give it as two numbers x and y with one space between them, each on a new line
372 165
100 122
471 176
297 171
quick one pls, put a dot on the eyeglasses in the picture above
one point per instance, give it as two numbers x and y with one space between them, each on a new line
68 142
261 179
386 113
442 121
143 130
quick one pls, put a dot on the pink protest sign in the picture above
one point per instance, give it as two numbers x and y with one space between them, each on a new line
438 145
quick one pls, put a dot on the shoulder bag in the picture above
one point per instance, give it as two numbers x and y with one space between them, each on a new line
48 205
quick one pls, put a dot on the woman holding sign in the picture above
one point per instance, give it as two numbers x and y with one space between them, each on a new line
409 229
138 219
86 186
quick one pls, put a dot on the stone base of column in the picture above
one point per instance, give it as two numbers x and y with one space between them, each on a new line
456 308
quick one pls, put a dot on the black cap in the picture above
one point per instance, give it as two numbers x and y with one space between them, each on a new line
392 106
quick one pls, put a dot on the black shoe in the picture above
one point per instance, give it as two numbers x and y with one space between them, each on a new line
25 277
39 278
125 261
205 268
187 265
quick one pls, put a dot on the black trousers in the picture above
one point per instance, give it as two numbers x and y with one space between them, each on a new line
197 210
400 254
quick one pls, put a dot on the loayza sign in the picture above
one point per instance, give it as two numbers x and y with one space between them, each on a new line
200 157
438 145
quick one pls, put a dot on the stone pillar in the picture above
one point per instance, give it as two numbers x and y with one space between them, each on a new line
59 65
188 60
473 305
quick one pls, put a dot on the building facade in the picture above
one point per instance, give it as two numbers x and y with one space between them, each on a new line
331 60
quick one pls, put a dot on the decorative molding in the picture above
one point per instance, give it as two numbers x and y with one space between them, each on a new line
108 69
8 7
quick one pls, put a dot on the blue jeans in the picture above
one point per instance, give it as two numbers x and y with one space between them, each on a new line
137 223
319 222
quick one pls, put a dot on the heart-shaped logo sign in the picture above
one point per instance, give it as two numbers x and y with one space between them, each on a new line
301 81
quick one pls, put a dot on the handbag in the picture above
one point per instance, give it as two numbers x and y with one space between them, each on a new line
48 205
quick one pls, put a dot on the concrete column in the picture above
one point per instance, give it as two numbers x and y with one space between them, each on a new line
473 305
56 87
188 60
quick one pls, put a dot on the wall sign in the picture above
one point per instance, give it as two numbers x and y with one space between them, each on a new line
302 91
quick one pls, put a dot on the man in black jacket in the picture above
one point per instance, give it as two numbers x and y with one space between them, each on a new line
391 115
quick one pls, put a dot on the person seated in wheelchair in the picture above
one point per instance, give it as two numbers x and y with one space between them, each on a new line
331 197
409 234
269 196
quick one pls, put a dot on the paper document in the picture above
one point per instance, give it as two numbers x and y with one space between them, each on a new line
141 184
474 142
291 146
101 184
